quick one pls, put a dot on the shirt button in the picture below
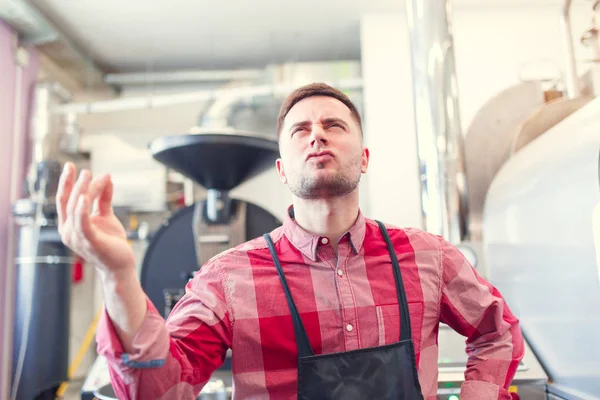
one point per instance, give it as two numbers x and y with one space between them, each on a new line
324 240
349 328
340 273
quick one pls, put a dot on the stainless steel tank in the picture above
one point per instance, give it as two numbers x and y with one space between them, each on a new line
538 232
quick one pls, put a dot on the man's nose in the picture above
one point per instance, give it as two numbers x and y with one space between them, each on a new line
317 136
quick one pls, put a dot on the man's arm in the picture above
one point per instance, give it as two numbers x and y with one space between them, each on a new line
125 303
172 359
475 309
148 357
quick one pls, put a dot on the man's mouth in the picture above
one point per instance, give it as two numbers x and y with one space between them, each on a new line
320 156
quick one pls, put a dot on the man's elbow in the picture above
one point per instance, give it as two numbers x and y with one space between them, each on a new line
503 342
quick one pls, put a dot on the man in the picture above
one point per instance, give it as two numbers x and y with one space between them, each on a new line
331 305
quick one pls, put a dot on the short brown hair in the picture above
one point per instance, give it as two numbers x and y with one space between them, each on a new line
310 90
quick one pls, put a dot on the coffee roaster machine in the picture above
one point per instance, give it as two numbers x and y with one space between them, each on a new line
187 240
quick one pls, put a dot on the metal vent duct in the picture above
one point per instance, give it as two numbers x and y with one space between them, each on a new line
27 21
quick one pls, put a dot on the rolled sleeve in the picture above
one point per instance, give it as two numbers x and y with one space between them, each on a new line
151 342
175 358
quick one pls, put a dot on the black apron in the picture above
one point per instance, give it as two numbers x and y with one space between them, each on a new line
382 373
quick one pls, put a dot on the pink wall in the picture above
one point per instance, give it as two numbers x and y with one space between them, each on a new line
8 71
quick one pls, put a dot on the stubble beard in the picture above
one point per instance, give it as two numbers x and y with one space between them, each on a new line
344 181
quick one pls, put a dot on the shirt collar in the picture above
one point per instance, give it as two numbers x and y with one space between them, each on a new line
308 243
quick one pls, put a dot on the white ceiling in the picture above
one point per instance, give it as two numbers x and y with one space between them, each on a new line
143 35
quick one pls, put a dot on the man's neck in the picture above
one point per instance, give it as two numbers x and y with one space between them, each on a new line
327 217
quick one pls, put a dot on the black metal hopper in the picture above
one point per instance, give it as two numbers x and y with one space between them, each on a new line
220 161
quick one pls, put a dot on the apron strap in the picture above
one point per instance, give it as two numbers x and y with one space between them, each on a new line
304 349
405 331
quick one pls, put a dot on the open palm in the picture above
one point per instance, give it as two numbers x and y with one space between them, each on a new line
97 237
109 242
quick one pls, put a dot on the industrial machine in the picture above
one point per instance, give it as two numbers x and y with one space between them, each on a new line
533 174
43 277
539 234
187 240
42 264
533 156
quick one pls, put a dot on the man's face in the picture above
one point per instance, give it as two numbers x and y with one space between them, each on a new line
321 149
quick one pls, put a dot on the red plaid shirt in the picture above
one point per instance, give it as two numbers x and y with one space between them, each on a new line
346 301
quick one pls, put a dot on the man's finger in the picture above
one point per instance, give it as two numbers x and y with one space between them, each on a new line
65 185
105 200
97 187
80 187
83 224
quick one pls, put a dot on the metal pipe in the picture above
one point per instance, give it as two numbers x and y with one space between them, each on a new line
572 86
41 126
212 200
141 78
47 96
188 192
439 138
144 102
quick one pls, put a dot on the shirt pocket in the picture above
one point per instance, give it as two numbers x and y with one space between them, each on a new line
388 322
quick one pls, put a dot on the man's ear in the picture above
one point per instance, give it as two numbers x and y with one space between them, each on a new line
280 171
365 160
